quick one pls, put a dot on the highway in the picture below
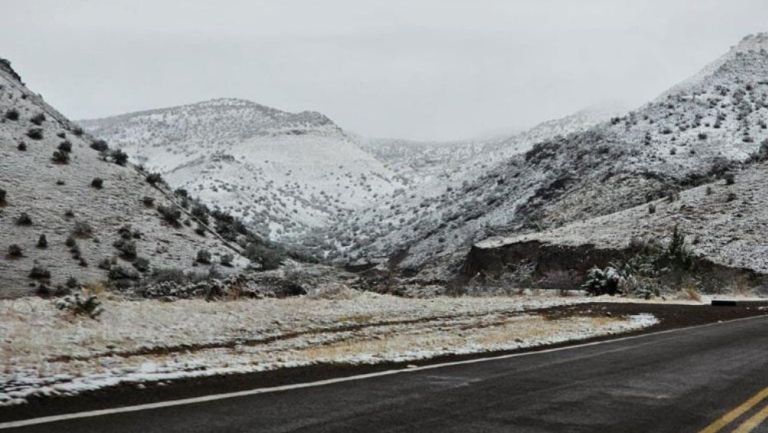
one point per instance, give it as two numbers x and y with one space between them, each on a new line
707 379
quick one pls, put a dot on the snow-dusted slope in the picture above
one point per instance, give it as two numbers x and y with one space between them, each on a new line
446 163
282 172
686 136
62 201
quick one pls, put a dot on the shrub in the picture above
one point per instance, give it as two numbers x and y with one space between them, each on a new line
71 282
651 208
200 229
69 213
60 157
141 264
119 157
204 257
78 131
732 196
730 178
268 258
170 214
148 201
38 119
35 133
97 183
22 146
39 272
3 194
709 190
82 229
100 145
65 146
81 305
126 247
702 136
226 260
105 264
120 273
12 114
603 281
24 219
14 251
42 242
154 178
70 241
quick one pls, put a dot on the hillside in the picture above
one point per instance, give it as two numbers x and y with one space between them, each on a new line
689 135
68 210
282 173
723 223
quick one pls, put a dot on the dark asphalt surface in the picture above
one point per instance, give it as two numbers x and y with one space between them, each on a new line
673 382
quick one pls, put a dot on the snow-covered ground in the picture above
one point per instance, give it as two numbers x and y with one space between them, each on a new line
44 351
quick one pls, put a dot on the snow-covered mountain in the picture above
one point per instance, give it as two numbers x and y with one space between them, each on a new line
693 132
284 173
72 212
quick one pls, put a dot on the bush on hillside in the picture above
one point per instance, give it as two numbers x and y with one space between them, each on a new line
35 133
12 114
60 157
38 119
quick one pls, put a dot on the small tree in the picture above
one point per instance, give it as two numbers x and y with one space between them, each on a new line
35 133
12 114
204 257
60 157
24 219
42 242
119 157
14 251
38 119
65 146
100 145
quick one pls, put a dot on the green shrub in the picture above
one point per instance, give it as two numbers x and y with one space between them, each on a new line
12 114
119 157
81 305
171 215
65 146
35 133
154 178
97 183
127 248
60 157
14 251
38 119
204 257
39 272
100 145
24 219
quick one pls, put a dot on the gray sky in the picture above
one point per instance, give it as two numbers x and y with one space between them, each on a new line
424 69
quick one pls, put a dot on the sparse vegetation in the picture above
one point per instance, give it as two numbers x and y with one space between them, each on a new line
97 183
154 178
81 305
12 114
170 214
204 257
119 157
39 272
14 251
60 157
65 146
100 145
38 119
35 133
127 248
24 219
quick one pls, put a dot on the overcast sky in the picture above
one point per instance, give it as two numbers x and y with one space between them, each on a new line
424 69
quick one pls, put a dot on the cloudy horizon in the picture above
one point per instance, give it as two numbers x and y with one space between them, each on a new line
435 70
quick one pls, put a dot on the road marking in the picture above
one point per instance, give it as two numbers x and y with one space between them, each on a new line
256 391
738 411
752 423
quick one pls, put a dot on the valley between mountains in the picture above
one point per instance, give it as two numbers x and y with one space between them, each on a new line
226 237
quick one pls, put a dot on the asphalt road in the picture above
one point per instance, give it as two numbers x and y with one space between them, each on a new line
706 379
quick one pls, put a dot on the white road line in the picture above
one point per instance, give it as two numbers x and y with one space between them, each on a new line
223 396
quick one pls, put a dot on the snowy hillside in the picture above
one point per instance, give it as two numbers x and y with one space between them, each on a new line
73 213
687 136
283 173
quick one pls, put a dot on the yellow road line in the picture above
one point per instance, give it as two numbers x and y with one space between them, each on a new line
738 411
750 424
